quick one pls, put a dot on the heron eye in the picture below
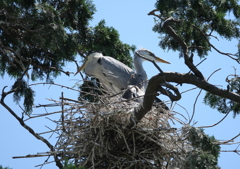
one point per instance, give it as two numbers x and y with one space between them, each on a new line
100 61
151 54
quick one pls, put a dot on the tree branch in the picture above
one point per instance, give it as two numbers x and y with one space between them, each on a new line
223 53
155 81
168 93
201 83
184 46
188 60
151 93
171 32
23 124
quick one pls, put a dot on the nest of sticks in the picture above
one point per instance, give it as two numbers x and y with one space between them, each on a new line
95 135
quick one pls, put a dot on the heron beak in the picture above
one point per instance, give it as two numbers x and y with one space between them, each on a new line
81 68
161 60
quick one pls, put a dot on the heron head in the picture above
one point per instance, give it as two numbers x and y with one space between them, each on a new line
148 55
89 58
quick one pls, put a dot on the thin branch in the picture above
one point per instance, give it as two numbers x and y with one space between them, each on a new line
63 125
177 38
183 44
153 13
217 122
183 109
223 53
62 86
189 90
194 105
231 140
23 124
231 151
168 93
192 79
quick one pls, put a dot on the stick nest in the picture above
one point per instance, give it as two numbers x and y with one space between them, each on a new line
95 135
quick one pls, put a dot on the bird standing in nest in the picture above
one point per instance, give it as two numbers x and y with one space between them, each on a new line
116 76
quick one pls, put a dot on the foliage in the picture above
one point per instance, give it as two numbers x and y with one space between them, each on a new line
224 105
205 152
1 167
44 35
68 165
198 21
23 90
40 35
107 40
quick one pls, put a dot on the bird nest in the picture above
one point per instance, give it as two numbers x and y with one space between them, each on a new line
96 135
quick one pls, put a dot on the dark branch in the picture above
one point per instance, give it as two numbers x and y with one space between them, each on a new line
168 93
23 124
223 53
184 46
182 43
217 122
153 88
201 83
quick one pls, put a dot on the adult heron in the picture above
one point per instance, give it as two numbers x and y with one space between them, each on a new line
116 76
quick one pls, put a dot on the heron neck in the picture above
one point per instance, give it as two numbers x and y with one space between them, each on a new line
138 65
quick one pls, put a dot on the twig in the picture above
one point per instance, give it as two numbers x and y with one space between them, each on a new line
63 125
62 86
40 165
227 54
217 122
173 97
41 115
194 105
189 90
183 109
58 163
234 151
31 156
231 140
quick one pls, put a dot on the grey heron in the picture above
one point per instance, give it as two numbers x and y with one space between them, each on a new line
116 76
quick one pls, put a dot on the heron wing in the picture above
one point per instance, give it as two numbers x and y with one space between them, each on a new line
117 73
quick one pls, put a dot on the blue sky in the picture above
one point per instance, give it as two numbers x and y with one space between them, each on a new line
135 28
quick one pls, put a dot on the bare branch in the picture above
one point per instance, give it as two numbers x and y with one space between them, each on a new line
171 32
217 122
169 93
23 124
223 53
184 46
192 79
155 81
231 140
64 130
153 13
194 106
